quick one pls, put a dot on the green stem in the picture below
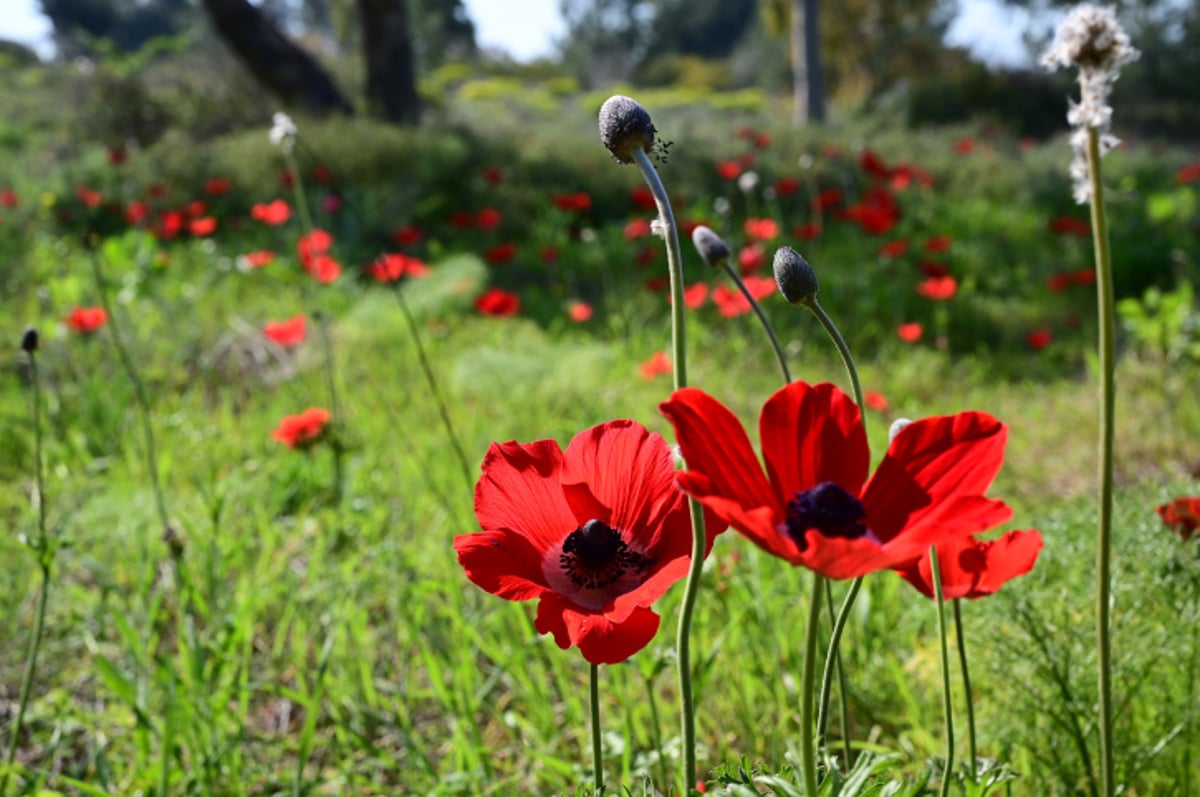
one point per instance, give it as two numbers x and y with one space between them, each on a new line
656 727
808 750
139 392
966 676
597 746
45 554
339 475
946 701
1107 352
843 703
431 380
843 350
289 159
762 319
831 656
670 233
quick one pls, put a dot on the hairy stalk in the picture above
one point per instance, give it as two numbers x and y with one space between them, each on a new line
431 381
808 750
762 319
45 554
597 746
670 233
947 703
966 676
1107 352
843 350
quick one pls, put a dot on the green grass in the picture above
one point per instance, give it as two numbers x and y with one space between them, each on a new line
301 646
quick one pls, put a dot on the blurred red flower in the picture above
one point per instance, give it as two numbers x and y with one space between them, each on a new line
136 212
407 235
89 197
86 320
751 258
973 569
904 174
576 203
170 222
595 534
500 254
894 248
579 312
1182 516
461 220
636 228
549 254
195 208
498 302
289 332
938 289
1069 225
815 506
695 296
1084 276
324 269
761 229
826 199
272 213
206 225
786 186
646 256
729 170
875 401
731 302
657 283
642 198
493 175
873 165
807 232
488 219
117 155
910 332
658 364
1057 283
331 203
258 259
1189 173
321 174
391 267
964 146
938 244
8 198
931 269
303 431
313 243
1039 339
217 186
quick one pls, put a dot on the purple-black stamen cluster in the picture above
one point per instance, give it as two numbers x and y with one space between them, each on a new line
829 509
594 556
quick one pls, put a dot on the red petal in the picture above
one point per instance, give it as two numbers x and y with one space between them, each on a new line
502 563
973 569
813 434
723 471
599 639
520 491
929 466
621 474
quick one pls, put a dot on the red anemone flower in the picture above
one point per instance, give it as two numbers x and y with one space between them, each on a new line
302 431
391 267
815 506
910 332
1039 339
595 534
1182 516
271 213
500 254
1189 173
286 333
973 569
761 229
498 302
87 320
258 259
659 363
579 312
938 289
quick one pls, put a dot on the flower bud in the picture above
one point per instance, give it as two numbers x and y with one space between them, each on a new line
29 340
710 246
625 127
796 279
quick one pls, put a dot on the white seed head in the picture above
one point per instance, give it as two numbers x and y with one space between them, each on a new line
283 131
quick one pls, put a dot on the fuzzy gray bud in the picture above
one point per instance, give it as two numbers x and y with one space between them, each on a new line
796 279
710 246
29 340
625 127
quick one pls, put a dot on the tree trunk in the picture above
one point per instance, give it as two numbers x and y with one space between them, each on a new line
808 85
286 70
391 72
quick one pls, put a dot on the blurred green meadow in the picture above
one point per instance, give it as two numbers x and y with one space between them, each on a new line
286 638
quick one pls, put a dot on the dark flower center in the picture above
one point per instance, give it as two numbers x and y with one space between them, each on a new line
594 556
829 509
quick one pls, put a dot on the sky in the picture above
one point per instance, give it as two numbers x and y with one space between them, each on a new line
992 31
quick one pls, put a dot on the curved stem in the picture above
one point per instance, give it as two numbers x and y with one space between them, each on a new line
687 703
966 676
808 750
762 319
45 554
1107 352
831 656
431 381
597 747
946 701
843 350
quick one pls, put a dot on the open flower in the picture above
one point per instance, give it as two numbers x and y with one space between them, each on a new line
973 569
815 506
595 534
303 431
87 320
286 333
1182 516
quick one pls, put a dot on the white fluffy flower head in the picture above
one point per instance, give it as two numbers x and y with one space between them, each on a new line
283 131
1091 39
